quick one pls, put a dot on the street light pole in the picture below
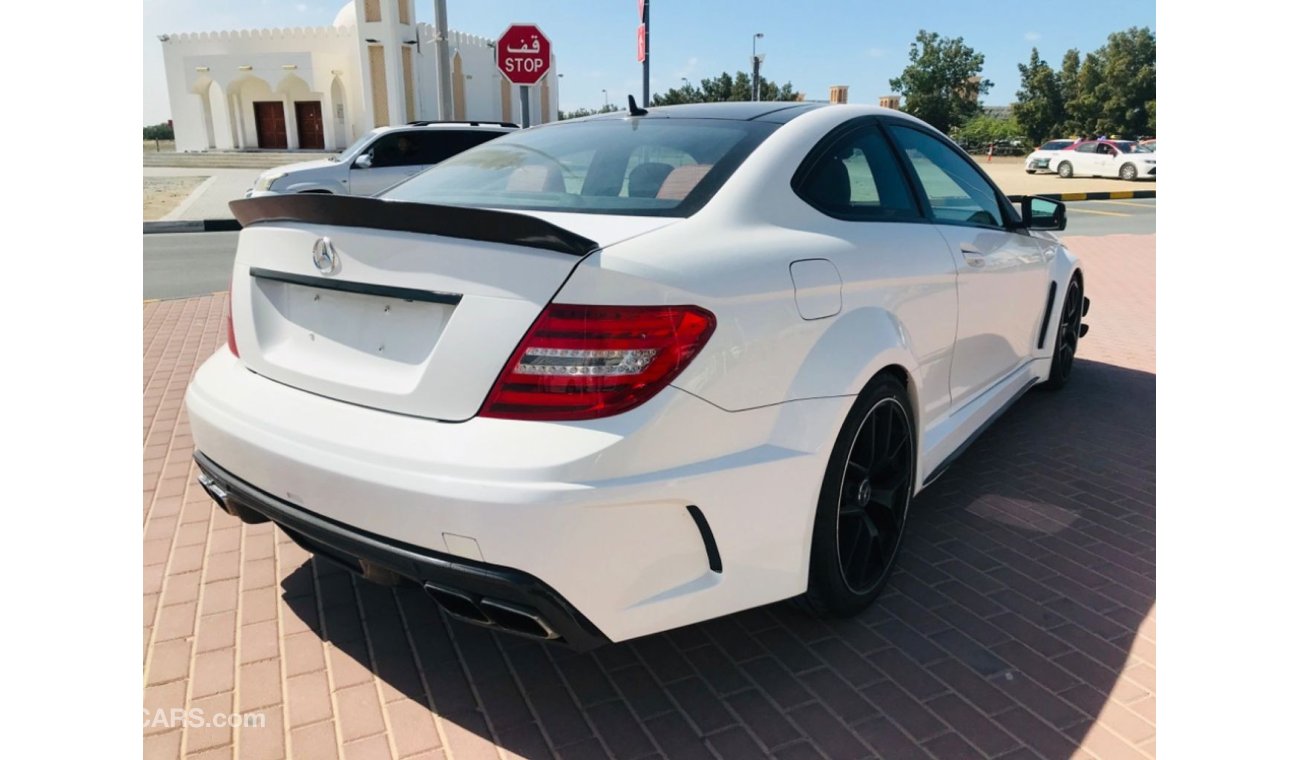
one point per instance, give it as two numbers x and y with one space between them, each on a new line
753 57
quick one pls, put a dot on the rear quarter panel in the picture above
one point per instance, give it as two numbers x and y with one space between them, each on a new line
733 257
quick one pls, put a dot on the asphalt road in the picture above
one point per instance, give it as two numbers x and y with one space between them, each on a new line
197 263
188 264
1089 218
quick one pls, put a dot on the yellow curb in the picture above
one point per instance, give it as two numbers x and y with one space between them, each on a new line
1095 211
1121 194
1074 196
1132 205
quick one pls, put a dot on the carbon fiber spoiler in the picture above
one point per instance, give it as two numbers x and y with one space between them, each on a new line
449 221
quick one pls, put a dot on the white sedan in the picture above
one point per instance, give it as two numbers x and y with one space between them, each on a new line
1124 159
611 376
1041 159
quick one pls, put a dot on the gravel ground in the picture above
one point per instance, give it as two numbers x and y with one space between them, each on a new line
162 194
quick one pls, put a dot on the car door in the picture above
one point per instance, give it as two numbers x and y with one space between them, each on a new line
887 255
1002 274
1081 158
391 158
1107 162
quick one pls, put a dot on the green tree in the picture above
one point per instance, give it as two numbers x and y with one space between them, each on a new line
1038 109
942 83
161 131
724 87
981 130
578 113
1127 90
1113 89
1068 85
1083 110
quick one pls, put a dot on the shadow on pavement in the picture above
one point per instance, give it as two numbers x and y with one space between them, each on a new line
1028 569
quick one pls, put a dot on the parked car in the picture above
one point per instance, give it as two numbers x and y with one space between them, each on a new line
615 375
1105 158
1041 158
381 158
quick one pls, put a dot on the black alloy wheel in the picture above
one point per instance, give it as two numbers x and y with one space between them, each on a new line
874 497
864 502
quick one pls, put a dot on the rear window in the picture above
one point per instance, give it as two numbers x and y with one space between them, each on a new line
646 166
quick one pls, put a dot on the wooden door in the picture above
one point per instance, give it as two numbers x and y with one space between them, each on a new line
311 127
271 132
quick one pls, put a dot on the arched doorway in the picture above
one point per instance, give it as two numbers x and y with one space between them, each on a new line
216 114
306 122
260 115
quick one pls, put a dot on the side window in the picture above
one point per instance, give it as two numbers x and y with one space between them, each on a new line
397 149
442 144
858 178
956 191
1087 148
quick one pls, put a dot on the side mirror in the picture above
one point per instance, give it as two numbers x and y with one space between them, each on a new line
1042 213
363 161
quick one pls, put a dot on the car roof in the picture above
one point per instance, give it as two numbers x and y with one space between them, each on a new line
775 111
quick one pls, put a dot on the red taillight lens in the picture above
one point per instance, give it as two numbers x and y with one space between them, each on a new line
582 362
231 343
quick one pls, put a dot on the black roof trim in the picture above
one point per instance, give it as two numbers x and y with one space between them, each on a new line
426 218
785 115
729 110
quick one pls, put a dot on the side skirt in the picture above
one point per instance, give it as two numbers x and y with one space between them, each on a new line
947 462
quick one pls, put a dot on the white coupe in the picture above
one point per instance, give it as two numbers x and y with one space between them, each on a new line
611 376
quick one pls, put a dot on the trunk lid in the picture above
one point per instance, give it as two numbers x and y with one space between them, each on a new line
408 308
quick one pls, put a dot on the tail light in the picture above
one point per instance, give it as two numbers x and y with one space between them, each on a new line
231 343
583 362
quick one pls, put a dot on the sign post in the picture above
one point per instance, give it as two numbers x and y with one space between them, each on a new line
643 48
523 57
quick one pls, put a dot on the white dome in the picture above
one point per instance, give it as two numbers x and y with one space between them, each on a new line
347 15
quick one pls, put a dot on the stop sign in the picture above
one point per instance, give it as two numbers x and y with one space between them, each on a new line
523 54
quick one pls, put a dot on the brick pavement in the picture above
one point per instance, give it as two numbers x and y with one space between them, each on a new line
1021 621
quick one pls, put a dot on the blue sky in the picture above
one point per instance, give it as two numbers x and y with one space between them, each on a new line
813 44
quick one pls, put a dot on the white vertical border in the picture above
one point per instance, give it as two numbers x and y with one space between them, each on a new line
1228 295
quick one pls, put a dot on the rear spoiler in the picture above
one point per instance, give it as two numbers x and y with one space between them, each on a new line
449 221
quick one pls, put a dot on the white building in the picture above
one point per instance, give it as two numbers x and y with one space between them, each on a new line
323 87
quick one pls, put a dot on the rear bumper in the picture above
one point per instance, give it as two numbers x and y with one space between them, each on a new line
602 513
487 595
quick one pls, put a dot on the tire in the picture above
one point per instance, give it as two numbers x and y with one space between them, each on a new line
1065 170
1067 337
1128 172
1031 171
845 574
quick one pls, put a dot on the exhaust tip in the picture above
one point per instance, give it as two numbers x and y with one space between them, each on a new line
518 619
229 505
214 490
457 604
